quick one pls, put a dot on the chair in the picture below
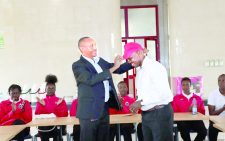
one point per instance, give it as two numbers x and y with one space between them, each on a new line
37 135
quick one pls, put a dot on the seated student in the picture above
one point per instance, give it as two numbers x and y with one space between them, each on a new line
15 111
126 129
183 103
51 104
216 105
76 128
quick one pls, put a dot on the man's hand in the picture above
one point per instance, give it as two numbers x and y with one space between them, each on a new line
59 101
41 101
135 107
117 63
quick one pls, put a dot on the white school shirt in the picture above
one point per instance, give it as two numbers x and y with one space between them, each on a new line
152 84
217 99
99 70
187 96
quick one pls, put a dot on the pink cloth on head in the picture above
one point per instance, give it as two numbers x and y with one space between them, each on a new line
130 48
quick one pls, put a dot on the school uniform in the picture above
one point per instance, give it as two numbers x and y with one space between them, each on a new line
181 103
50 106
22 115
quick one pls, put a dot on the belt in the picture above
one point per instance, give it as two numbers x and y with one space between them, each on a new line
155 108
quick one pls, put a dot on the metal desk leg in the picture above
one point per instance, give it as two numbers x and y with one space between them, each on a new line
59 138
175 132
118 136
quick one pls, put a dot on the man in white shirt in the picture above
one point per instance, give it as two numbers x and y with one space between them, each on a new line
154 94
216 105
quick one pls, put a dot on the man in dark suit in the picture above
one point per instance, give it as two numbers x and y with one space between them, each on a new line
96 91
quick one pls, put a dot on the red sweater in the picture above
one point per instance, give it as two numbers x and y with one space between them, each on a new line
60 110
181 103
73 108
23 112
127 101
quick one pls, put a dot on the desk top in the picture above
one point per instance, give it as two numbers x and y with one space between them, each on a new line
217 119
53 121
11 129
114 119
6 137
219 126
130 118
125 118
188 116
8 132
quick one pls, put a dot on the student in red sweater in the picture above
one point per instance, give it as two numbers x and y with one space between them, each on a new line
126 101
76 128
51 104
15 111
183 103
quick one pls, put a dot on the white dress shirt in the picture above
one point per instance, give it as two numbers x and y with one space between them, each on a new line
152 84
99 70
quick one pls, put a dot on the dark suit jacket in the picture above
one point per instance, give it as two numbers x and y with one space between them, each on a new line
91 91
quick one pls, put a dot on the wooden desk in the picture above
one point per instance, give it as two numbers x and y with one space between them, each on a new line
114 119
189 117
217 119
220 126
129 118
6 137
53 121
125 118
8 132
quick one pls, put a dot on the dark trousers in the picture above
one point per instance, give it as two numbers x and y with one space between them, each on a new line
55 133
213 132
139 132
157 125
25 132
185 127
96 129
125 129
76 132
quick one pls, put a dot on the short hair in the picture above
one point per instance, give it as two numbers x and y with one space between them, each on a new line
81 39
14 86
51 79
121 82
222 75
186 79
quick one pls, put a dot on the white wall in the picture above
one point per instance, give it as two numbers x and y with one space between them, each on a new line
41 38
197 34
